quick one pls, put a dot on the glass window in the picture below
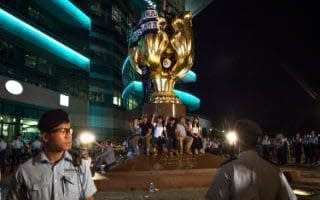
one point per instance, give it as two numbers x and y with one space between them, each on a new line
99 53
3 49
33 13
42 72
44 66
118 28
96 96
30 61
116 14
115 101
132 103
29 128
117 98
95 7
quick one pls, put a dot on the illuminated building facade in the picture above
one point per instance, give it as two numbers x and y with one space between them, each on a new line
68 54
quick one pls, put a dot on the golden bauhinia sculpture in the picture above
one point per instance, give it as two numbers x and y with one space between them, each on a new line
165 46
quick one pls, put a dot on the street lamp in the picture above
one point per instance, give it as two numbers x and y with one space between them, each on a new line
232 138
87 137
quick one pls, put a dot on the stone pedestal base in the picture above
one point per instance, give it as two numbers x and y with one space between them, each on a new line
164 109
186 171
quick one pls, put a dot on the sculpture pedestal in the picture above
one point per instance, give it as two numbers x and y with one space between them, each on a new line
186 171
164 109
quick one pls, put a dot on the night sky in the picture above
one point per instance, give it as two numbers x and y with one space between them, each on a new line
243 48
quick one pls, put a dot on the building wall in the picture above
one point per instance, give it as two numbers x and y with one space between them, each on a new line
25 62
196 6
37 15
95 95
111 25
47 99
16 111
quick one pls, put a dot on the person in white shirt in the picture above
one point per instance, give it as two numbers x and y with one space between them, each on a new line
36 146
3 144
17 143
159 136
75 141
135 138
266 147
107 157
184 141
197 136
249 176
17 146
3 148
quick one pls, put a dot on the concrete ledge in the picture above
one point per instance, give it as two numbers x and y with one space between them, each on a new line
188 171
292 175
169 173
164 179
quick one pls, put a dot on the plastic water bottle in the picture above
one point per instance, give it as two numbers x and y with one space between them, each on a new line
151 187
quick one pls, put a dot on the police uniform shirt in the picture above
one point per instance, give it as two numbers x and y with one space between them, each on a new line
313 139
3 145
17 144
108 155
36 145
39 179
250 178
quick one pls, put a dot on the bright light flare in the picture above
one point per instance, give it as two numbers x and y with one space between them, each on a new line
87 137
98 176
232 137
300 192
14 87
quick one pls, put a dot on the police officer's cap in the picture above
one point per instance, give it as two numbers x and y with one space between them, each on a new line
52 119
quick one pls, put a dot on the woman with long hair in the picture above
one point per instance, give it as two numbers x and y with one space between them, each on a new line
196 134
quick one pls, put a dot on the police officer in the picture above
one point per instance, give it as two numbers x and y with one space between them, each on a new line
36 146
3 149
17 147
249 176
54 174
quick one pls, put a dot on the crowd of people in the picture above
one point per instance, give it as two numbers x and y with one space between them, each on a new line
17 151
101 153
169 136
301 149
151 136
165 135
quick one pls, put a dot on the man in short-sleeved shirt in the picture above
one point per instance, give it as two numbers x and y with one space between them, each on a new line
17 146
146 127
146 133
184 141
3 149
249 176
3 144
17 143
36 146
54 173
